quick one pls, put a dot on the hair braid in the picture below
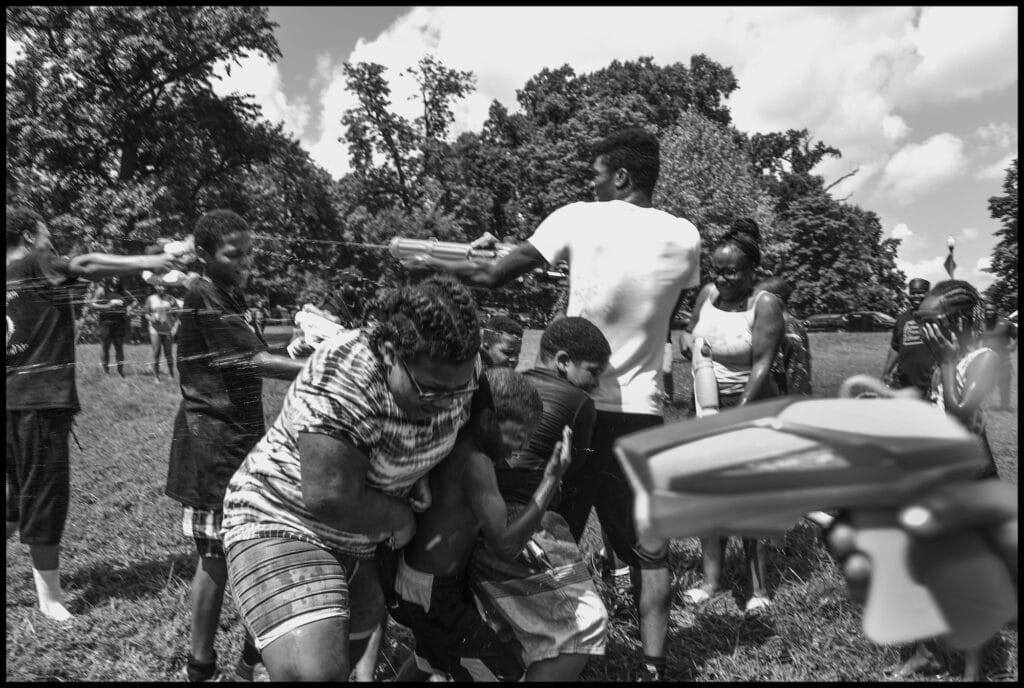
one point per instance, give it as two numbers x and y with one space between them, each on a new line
436 317
962 302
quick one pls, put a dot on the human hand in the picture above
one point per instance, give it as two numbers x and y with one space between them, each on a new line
988 507
116 303
403 536
487 241
943 347
298 348
420 498
561 456
165 262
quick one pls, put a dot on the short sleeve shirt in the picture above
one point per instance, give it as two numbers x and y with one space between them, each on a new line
41 333
217 336
628 265
342 392
914 362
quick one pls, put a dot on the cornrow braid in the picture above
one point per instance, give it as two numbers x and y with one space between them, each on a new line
962 302
436 317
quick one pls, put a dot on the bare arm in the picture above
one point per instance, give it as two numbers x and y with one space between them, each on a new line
485 273
686 341
277 367
769 328
334 489
93 266
481 489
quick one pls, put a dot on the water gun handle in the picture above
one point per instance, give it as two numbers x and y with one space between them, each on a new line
918 590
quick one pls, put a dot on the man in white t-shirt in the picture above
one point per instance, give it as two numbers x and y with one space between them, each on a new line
629 264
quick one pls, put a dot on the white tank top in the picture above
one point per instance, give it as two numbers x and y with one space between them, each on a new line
730 336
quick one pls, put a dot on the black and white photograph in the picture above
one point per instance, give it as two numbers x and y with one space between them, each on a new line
512 343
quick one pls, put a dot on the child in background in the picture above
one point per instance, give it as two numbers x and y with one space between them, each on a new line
501 342
221 358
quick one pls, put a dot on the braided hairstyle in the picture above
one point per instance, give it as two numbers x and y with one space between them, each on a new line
436 317
745 235
963 306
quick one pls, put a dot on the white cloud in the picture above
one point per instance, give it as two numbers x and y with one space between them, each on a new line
930 269
261 78
844 79
996 170
969 233
894 127
979 278
901 231
920 167
1000 135
964 51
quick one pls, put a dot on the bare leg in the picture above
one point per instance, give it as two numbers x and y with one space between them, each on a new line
655 603
46 572
207 597
560 668
712 554
154 341
756 552
317 651
367 664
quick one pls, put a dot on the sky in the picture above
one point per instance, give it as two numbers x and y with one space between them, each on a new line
922 102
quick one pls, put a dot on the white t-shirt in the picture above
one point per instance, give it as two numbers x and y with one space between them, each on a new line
627 265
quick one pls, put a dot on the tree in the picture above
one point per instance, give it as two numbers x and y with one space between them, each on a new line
1003 291
111 111
784 162
836 259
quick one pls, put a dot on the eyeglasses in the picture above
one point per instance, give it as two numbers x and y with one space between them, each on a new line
446 395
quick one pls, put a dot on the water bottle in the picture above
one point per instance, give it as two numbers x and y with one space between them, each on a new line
705 385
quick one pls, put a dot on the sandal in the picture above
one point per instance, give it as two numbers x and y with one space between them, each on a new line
697 596
757 604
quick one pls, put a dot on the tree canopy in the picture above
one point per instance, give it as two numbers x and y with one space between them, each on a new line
1003 291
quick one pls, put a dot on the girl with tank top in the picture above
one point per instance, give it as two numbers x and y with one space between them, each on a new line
743 327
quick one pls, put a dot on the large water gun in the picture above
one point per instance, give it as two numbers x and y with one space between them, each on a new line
185 251
758 469
453 252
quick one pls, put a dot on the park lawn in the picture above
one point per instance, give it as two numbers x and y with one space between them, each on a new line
127 567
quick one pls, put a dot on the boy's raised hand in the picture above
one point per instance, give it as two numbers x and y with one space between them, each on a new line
561 457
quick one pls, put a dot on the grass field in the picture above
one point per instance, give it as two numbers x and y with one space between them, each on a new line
127 567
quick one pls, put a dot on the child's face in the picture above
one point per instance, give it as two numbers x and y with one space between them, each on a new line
515 435
504 351
585 375
425 387
231 263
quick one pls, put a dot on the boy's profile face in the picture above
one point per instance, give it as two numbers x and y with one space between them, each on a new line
231 262
504 350
515 435
585 375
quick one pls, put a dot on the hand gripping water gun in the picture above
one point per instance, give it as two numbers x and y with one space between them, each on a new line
758 469
315 328
453 252
185 251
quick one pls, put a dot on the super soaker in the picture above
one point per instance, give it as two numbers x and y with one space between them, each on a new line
185 251
453 252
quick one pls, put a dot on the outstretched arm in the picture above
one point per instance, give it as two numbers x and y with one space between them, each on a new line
483 273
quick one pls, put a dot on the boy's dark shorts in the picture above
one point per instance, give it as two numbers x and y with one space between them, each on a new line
451 635
38 473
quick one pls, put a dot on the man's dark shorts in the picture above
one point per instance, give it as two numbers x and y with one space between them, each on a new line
38 473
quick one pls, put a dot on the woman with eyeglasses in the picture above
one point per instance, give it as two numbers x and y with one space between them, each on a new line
744 328
343 469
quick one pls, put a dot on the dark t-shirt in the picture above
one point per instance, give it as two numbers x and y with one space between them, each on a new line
41 333
564 404
119 314
221 415
914 362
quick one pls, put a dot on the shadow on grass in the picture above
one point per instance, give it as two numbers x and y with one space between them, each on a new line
100 582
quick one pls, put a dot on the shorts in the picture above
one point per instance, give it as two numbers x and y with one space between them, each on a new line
203 526
38 473
546 594
451 636
281 584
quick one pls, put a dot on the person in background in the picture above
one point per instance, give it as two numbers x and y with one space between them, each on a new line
908 363
161 312
744 328
792 367
136 318
500 342
1001 337
41 394
111 302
